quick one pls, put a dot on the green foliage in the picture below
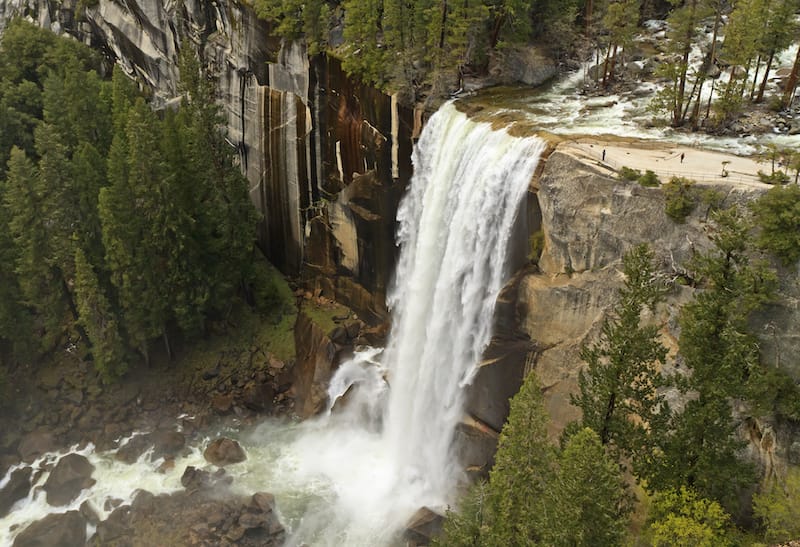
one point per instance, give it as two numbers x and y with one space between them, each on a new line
649 179
116 223
777 215
778 507
618 391
627 173
777 177
536 242
523 467
680 198
98 318
681 518
464 528
701 449
585 503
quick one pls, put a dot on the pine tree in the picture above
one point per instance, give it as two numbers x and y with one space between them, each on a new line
523 467
41 281
99 321
585 502
618 390
721 355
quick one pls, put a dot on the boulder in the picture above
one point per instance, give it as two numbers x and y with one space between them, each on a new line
199 479
35 444
71 474
17 487
224 451
56 530
167 443
222 403
133 449
423 526
258 396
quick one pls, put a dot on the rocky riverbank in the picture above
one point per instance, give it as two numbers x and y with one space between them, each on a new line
232 380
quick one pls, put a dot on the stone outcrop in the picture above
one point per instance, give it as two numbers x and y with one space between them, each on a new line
589 220
71 474
17 487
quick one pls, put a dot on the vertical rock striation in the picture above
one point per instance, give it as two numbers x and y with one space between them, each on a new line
326 157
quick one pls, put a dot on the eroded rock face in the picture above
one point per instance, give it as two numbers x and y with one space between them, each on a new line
71 474
312 371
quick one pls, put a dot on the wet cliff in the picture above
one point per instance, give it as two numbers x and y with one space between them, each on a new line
326 157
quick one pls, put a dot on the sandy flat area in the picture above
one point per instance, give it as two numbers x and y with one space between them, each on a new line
665 160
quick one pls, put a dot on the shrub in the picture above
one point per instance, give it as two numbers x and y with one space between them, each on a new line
684 518
777 177
680 198
536 241
626 173
778 507
649 179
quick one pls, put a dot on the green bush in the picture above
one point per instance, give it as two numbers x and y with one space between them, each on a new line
626 173
649 179
777 178
684 518
778 507
536 241
680 198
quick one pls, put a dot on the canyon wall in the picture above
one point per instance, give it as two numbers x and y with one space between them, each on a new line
327 158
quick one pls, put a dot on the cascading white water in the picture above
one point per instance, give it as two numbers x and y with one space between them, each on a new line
455 224
353 477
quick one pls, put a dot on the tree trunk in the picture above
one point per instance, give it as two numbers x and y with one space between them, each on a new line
755 78
760 96
167 345
605 66
791 85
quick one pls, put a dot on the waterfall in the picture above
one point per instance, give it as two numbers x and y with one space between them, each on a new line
396 433
455 224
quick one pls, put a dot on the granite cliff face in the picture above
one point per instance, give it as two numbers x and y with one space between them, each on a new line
589 220
327 158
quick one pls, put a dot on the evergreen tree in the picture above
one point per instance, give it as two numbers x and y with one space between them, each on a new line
99 321
618 390
721 356
524 464
683 33
777 214
41 282
585 503
621 20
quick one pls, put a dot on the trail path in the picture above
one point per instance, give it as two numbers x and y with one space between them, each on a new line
703 166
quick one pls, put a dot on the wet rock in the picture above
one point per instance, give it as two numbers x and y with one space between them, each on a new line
87 510
167 443
115 527
423 526
35 444
263 501
258 396
222 403
56 530
224 451
133 449
17 487
200 479
71 474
